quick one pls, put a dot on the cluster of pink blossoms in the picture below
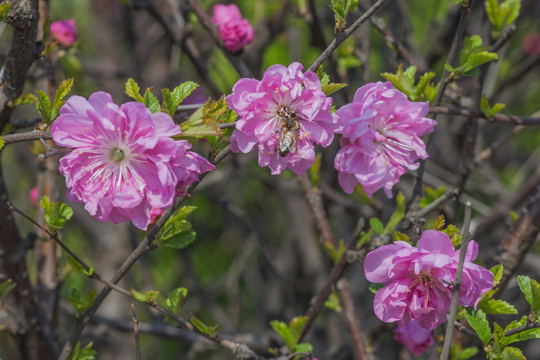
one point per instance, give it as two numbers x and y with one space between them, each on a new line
64 31
235 31
124 165
381 138
282 115
418 280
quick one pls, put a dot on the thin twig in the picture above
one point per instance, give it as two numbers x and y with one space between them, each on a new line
26 136
517 120
136 332
457 283
340 37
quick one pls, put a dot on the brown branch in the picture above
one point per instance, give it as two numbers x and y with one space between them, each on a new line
517 120
136 332
26 136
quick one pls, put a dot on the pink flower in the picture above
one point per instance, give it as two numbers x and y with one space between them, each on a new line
418 280
124 164
282 115
531 43
415 338
381 138
234 31
33 194
64 32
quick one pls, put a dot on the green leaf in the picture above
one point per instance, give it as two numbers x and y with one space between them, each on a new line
56 213
177 232
208 330
133 91
2 143
524 283
86 353
302 348
438 223
329 89
333 302
431 195
535 292
398 214
323 77
283 330
6 287
456 240
4 8
77 266
398 236
175 298
296 325
467 353
502 15
451 230
497 271
512 353
43 105
488 110
404 81
63 89
314 170
375 287
478 321
150 297
494 306
204 121
23 100
171 100
376 225
151 101
333 252
82 303
471 56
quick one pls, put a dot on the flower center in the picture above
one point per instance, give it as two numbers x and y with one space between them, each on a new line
117 155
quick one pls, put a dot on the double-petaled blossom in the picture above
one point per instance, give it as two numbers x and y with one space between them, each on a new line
415 338
418 280
235 31
282 115
381 138
124 164
64 32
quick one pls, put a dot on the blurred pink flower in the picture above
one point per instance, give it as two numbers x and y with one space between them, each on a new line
64 32
418 280
124 164
415 338
234 31
33 194
531 43
282 115
381 138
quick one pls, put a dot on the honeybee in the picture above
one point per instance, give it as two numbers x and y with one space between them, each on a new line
288 133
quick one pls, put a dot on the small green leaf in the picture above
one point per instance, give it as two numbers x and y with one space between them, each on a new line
499 337
86 353
208 330
404 81
524 283
333 252
43 105
535 292
375 287
497 271
56 213
133 90
6 287
438 223
23 100
398 236
314 170
4 8
63 89
456 240
431 195
376 225
204 121
139 296
323 77
82 303
171 100
175 298
177 232
151 101
512 353
451 230
79 267
283 330
494 306
329 89
302 348
2 143
333 302
502 15
467 353
296 325
478 321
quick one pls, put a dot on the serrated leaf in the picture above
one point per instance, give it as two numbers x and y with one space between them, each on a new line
79 267
171 100
177 232
302 348
398 236
56 213
323 77
82 303
376 225
535 292
43 106
139 296
478 321
23 100
512 353
375 287
467 353
296 325
175 298
6 287
86 353
133 90
151 101
63 89
451 230
204 121
438 223
208 330
283 330
398 214
329 89
431 194
456 240
333 302
524 283
494 306
423 83
499 337
497 271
